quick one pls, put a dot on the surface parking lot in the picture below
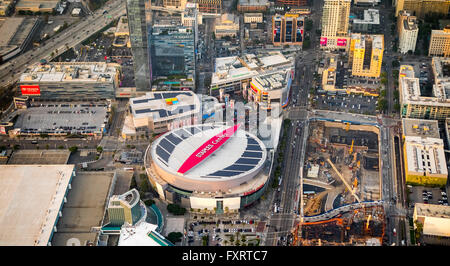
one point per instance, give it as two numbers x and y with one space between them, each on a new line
427 195
347 103
219 231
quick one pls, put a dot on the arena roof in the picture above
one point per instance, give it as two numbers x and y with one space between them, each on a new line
30 203
231 158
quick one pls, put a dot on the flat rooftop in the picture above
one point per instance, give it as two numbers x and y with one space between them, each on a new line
143 234
62 118
58 72
39 156
421 128
30 201
433 210
371 16
425 156
165 105
14 31
410 89
377 40
234 68
85 207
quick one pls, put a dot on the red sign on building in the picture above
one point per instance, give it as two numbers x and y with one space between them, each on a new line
207 149
30 90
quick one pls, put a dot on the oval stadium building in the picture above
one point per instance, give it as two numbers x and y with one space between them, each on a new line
209 166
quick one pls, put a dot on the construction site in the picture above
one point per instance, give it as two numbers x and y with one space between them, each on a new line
363 226
341 169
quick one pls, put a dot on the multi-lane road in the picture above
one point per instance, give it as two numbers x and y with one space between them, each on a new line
68 38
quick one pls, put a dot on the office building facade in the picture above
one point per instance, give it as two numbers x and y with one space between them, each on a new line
173 51
366 55
420 8
139 23
408 30
287 29
335 20
440 42
209 6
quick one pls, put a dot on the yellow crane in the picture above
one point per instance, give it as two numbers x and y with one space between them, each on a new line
368 220
343 180
347 127
351 148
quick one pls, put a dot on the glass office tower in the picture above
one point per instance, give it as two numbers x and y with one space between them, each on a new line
139 23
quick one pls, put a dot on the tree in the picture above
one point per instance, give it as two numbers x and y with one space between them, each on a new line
308 24
73 149
174 237
176 209
384 81
397 107
144 185
99 149
382 104
60 147
395 63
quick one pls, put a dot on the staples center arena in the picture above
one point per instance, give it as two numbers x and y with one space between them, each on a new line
209 166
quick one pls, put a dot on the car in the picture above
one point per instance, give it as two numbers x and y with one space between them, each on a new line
443 193
226 230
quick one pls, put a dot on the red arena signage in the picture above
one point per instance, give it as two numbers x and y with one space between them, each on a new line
30 90
207 149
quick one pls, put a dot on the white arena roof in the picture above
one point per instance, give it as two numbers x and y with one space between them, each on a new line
199 158
30 200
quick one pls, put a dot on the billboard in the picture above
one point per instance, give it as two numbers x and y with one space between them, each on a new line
30 90
341 42
207 149
254 88
323 41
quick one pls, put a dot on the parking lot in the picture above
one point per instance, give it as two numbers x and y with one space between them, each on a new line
427 195
222 232
351 103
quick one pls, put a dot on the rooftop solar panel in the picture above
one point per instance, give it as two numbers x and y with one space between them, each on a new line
141 111
140 101
162 162
239 167
169 147
162 154
252 141
175 140
247 161
166 95
183 134
193 130
252 154
225 173
253 148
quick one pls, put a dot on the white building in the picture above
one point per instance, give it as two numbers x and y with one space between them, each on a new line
436 223
407 30
142 234
161 111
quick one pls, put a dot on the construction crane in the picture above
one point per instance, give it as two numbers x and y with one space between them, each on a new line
343 180
351 148
347 127
368 220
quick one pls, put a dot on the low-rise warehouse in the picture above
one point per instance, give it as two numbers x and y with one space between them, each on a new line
30 205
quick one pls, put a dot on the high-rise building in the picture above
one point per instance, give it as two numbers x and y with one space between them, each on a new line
420 8
287 29
335 19
173 51
125 208
369 23
366 55
209 6
139 23
407 30
440 42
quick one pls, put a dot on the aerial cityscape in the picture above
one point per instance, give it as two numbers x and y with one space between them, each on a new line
224 123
